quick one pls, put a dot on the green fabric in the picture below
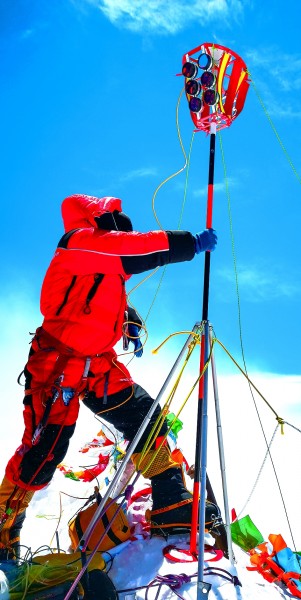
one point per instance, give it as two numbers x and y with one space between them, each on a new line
245 534
176 424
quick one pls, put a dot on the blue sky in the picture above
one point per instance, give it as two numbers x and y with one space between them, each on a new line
88 104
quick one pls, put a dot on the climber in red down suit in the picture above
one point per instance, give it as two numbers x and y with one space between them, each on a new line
83 302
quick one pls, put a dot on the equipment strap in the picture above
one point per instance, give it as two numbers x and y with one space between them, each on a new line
64 353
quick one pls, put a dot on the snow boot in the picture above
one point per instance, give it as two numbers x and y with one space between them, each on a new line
13 503
172 502
172 505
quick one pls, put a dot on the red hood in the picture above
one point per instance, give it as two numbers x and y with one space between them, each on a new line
79 210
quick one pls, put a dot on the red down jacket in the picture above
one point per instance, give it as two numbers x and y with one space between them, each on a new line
83 295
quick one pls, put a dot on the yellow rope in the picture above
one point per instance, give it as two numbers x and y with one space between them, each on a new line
244 372
142 281
279 419
156 292
194 334
166 408
59 520
186 164
186 399
232 241
101 412
159 421
167 405
186 180
236 279
177 172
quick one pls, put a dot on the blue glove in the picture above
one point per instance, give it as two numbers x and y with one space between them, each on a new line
133 334
206 240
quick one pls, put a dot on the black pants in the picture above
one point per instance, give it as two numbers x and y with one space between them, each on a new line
124 414
128 416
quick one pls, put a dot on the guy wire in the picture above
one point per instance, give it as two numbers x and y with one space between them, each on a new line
283 148
241 335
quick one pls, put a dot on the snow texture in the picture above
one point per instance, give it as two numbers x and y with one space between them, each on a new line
136 563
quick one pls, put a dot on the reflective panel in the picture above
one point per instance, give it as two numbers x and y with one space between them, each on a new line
216 54
189 69
210 97
193 87
195 104
204 61
208 79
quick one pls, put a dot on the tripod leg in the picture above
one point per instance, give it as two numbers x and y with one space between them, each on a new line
219 532
225 533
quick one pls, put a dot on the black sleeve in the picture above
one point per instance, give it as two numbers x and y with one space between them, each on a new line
181 248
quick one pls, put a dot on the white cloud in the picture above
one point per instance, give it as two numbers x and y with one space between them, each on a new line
268 74
218 187
259 283
165 17
285 73
27 33
139 173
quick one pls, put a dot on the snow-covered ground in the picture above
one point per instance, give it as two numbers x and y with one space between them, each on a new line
251 480
138 562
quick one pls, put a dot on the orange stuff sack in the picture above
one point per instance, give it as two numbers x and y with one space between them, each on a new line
118 531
